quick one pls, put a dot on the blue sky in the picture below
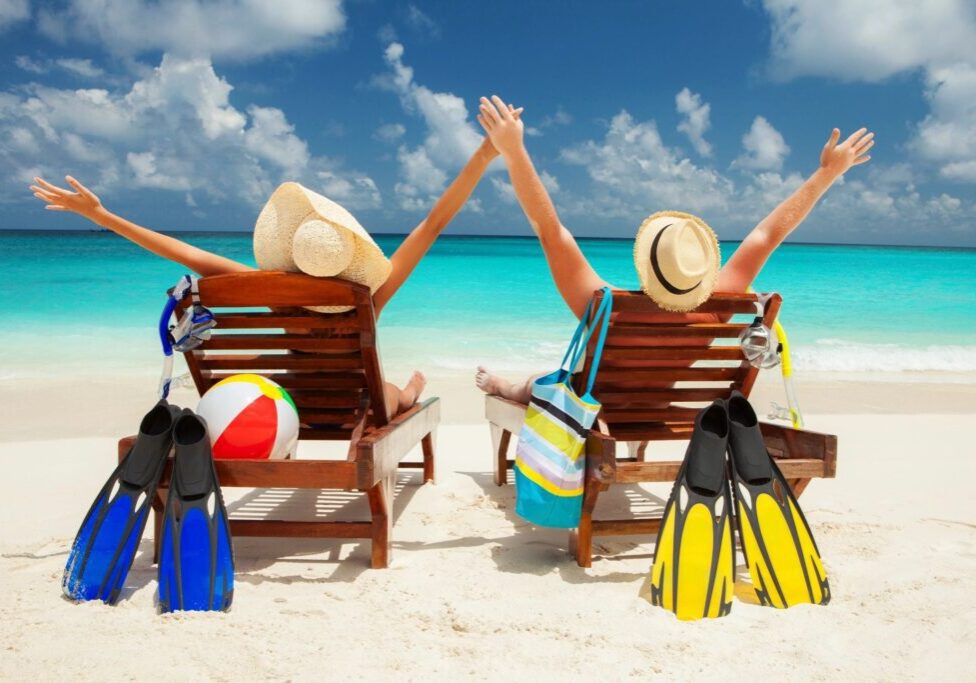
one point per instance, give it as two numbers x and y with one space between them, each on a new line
185 115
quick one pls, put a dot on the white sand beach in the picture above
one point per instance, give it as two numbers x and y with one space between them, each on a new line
473 592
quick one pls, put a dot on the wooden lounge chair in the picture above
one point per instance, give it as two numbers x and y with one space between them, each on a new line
330 365
654 370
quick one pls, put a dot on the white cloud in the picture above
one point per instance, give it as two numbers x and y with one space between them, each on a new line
270 137
506 192
867 39
764 148
174 130
84 68
450 138
421 23
870 40
695 120
635 173
560 118
390 132
947 136
27 64
221 29
80 67
13 11
421 180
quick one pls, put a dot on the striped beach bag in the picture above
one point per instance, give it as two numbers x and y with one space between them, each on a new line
550 457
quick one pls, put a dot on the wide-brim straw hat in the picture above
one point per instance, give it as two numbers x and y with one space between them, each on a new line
677 259
300 230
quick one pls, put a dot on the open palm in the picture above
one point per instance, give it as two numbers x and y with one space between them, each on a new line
82 201
838 159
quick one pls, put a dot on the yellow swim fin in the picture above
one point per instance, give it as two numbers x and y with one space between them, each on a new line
782 556
694 561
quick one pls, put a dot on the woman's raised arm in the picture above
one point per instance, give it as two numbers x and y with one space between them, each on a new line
416 244
575 278
84 203
835 160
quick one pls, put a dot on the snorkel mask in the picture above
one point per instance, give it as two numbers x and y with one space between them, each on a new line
765 348
190 331
759 345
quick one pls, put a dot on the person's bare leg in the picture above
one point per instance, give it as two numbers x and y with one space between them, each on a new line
490 383
398 400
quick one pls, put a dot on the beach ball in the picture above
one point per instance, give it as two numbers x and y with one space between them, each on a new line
249 416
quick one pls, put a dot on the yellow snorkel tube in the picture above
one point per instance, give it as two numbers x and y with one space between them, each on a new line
757 345
786 365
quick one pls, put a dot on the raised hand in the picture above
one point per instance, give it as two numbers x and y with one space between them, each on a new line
502 123
838 159
83 201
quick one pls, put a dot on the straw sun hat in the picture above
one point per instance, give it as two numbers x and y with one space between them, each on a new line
677 259
300 230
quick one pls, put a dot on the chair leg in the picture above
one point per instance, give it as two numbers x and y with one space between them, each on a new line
581 539
499 444
798 486
382 523
428 444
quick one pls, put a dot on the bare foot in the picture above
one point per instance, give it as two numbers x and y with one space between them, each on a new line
490 383
412 390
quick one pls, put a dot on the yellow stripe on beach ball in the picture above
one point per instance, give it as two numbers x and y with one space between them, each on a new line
270 390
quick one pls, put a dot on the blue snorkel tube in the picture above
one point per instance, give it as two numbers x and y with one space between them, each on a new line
192 329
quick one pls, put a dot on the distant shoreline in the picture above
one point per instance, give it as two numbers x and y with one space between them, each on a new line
217 232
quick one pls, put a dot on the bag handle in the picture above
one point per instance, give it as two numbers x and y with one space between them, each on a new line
598 352
571 351
601 318
578 346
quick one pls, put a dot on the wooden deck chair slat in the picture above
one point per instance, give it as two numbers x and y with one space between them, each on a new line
662 396
644 358
273 290
270 319
329 365
306 398
306 380
634 333
610 377
330 433
658 370
290 342
318 363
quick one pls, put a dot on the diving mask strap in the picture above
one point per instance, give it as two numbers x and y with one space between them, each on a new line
193 328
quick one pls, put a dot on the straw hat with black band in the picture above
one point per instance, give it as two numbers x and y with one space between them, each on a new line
677 259
299 230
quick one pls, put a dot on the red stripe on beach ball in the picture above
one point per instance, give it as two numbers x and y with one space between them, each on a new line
251 434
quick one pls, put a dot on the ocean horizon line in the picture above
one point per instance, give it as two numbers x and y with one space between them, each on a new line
454 236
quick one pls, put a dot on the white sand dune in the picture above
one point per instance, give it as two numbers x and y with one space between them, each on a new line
474 592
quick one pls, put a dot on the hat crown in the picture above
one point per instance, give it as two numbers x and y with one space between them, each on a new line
682 255
677 259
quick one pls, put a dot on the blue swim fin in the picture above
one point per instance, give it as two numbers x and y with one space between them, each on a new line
196 562
105 545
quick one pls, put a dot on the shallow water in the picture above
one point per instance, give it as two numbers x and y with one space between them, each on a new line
92 300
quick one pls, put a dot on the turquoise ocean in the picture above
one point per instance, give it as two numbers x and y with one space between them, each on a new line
88 303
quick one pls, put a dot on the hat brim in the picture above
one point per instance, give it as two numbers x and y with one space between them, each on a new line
653 287
369 266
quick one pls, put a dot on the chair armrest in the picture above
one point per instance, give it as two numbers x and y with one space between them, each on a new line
379 452
800 444
506 414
